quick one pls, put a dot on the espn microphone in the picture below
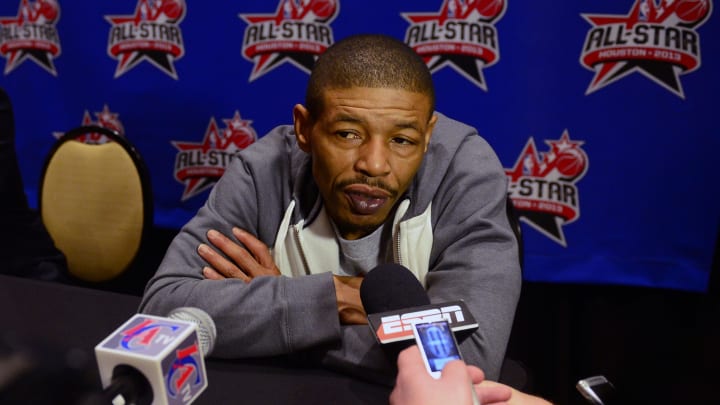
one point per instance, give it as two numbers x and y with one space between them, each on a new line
157 360
394 299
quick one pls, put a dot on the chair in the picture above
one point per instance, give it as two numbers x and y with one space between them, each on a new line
514 372
514 220
95 200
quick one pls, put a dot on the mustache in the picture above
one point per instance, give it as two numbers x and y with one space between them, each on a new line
368 181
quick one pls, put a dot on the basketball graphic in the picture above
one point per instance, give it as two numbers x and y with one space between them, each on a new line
48 9
323 8
489 8
173 9
570 163
692 10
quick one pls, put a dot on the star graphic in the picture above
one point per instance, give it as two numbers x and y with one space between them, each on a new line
106 119
238 132
469 66
549 225
561 145
661 72
236 123
106 115
16 56
267 61
539 165
197 184
528 164
128 60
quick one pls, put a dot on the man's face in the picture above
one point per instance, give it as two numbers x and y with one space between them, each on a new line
366 146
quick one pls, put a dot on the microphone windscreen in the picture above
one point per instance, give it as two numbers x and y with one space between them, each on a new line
389 287
205 326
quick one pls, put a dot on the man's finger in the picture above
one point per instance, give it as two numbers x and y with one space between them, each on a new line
240 256
210 274
221 265
258 249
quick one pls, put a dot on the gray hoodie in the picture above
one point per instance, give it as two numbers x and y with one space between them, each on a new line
451 230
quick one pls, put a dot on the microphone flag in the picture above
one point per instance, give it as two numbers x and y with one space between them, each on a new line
166 351
396 325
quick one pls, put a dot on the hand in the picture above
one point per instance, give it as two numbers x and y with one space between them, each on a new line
415 386
516 398
246 264
347 295
490 392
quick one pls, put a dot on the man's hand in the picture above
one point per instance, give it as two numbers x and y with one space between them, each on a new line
246 264
256 261
415 386
347 294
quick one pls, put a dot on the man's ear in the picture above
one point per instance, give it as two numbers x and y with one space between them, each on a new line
302 124
429 131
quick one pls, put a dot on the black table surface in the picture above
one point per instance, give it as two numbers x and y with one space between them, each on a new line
57 320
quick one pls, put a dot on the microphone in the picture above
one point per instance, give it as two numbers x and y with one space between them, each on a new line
157 360
391 286
394 299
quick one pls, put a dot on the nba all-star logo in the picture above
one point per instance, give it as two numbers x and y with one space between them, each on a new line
297 33
105 119
151 34
462 35
31 34
543 185
657 39
200 165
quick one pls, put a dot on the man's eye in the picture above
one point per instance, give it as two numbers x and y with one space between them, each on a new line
403 141
347 135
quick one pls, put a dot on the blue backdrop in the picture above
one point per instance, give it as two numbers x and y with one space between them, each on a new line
601 112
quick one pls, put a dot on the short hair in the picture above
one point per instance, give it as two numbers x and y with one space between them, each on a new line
368 60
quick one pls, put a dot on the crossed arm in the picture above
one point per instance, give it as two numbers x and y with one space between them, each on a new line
254 260
414 385
320 316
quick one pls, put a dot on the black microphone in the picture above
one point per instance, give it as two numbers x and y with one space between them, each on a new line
157 360
394 299
389 287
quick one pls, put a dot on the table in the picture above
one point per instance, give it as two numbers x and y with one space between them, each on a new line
61 324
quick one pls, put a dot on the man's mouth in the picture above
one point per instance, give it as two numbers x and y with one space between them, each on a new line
365 200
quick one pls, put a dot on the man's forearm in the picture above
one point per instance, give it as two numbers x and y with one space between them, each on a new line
266 317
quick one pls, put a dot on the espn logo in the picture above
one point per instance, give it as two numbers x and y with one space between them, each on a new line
393 326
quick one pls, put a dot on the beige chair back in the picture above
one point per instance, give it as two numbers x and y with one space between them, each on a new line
94 202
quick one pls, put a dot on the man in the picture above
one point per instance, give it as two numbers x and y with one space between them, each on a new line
367 174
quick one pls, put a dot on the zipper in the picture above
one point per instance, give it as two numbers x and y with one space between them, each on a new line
396 245
396 228
296 235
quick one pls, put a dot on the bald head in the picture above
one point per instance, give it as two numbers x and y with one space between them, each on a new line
370 60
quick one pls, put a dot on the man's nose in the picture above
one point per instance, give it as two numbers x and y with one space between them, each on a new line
373 158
